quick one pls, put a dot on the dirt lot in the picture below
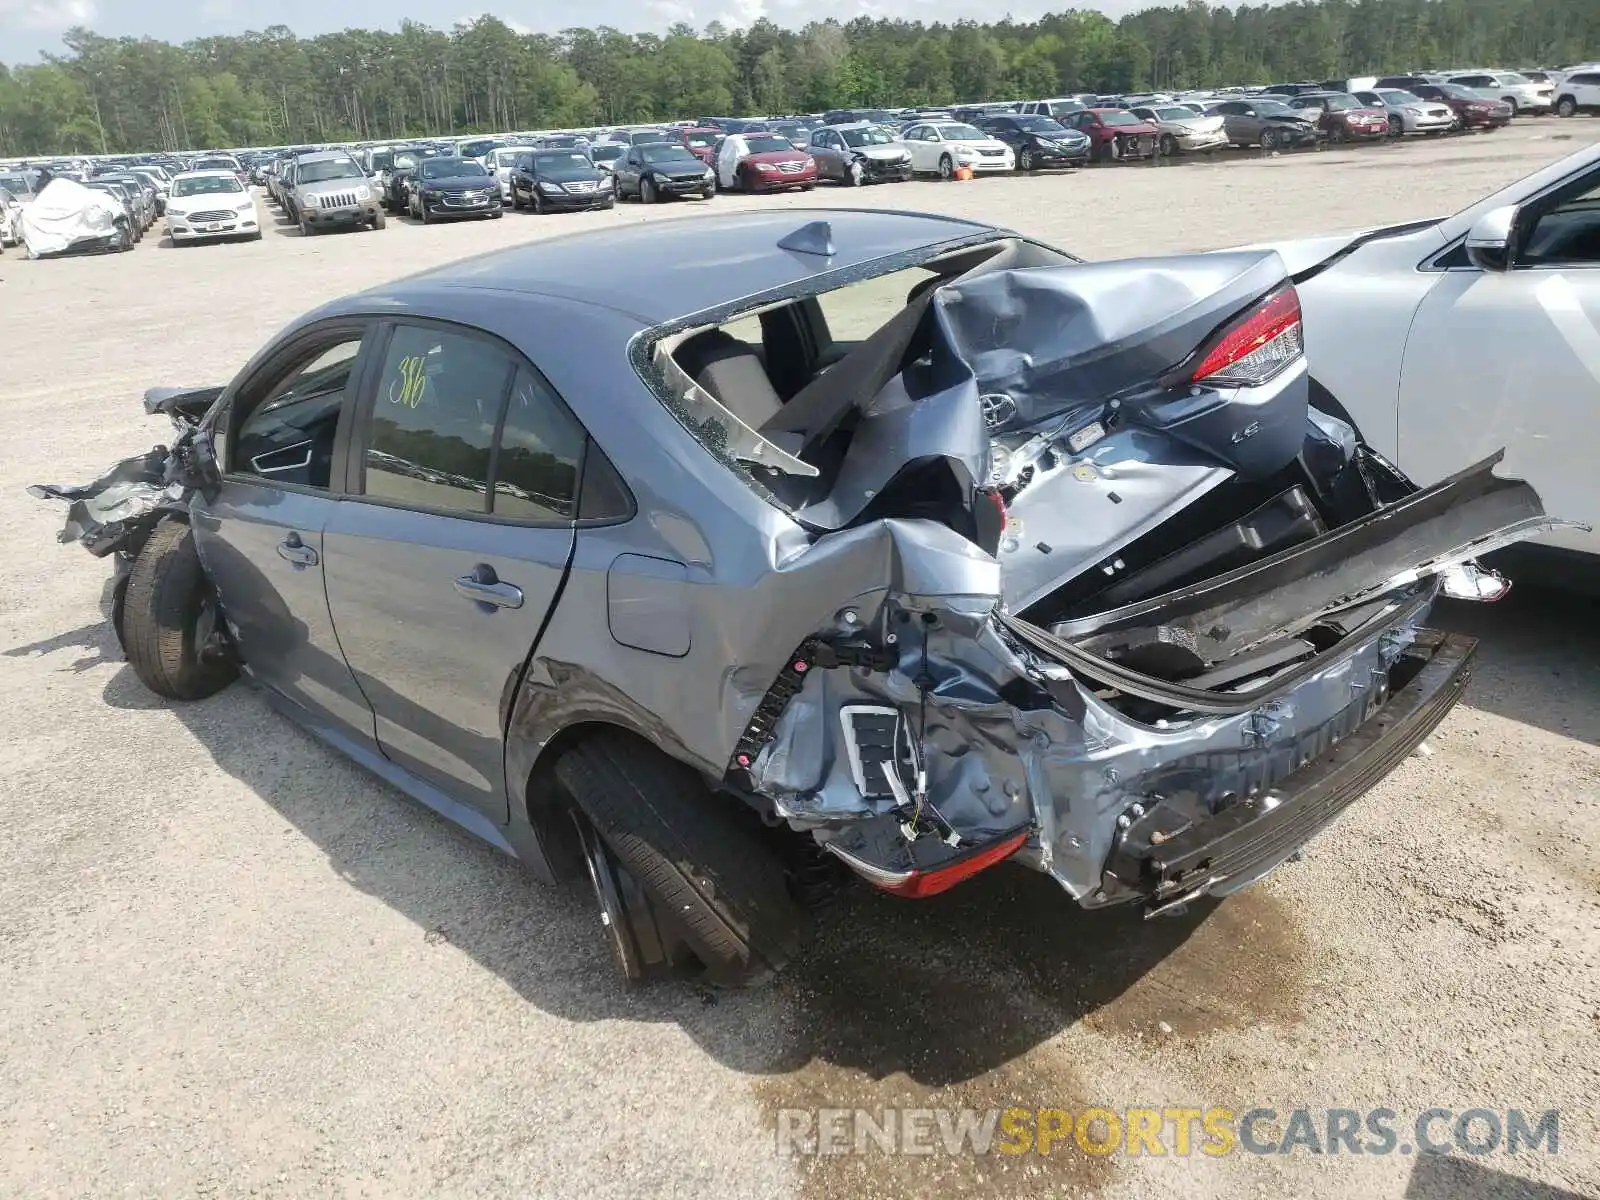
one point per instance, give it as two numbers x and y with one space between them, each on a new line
233 964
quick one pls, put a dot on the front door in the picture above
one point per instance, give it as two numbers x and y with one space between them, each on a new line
442 570
1512 358
261 535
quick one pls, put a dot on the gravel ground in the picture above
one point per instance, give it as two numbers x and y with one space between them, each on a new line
233 964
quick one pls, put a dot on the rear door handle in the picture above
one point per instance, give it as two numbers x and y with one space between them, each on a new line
296 551
483 586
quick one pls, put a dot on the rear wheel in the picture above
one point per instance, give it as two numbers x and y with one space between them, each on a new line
722 889
170 626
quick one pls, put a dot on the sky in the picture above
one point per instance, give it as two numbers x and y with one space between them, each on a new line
31 27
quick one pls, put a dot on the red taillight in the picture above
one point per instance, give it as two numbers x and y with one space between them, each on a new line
1257 346
918 885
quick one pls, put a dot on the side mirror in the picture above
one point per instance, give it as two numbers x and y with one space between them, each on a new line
1489 241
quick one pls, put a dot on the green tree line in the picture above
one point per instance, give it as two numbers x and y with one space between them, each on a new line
272 87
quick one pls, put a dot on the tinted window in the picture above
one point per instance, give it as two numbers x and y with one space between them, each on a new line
288 437
541 445
1569 231
438 400
768 145
1585 78
664 153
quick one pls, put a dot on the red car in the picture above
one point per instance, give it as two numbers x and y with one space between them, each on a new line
1114 133
1471 109
702 143
764 162
1340 117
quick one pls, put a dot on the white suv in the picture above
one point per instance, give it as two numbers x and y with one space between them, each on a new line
1520 92
1579 92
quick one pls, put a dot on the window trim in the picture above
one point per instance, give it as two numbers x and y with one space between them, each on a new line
366 405
271 372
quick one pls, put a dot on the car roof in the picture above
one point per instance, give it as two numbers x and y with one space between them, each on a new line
204 175
693 264
323 156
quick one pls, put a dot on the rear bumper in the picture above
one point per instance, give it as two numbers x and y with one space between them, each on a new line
1240 844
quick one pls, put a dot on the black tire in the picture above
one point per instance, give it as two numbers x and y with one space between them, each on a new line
1025 159
710 193
538 202
1396 126
166 618
1169 146
1269 139
1515 107
305 228
1567 106
422 210
647 190
728 890
947 167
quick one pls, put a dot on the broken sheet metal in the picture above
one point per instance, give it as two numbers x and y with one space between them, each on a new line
117 510
101 515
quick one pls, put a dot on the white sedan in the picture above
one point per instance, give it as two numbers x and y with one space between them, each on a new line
206 205
1444 341
941 147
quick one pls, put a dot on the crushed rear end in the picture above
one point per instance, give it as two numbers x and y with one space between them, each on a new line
1131 611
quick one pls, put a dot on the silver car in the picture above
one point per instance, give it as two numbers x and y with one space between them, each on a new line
858 153
1409 113
1181 130
890 549
331 191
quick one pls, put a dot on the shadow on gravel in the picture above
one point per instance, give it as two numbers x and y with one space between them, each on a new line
1446 1177
1538 658
954 1002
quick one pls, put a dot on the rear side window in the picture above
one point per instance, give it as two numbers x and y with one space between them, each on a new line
540 452
439 398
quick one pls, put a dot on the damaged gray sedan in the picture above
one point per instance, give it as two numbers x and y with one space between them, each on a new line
872 545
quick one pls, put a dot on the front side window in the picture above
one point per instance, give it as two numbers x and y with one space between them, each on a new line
288 437
438 399
1567 232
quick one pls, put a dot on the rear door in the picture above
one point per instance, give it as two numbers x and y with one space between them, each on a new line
446 561
1512 358
261 535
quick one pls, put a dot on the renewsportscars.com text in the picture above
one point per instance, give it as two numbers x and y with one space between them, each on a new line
1165 1131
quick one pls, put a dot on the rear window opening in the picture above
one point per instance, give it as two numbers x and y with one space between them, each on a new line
731 382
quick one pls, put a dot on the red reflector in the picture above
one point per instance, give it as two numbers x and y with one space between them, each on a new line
922 884
1275 314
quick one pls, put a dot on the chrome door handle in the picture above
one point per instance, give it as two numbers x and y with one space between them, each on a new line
296 551
483 586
